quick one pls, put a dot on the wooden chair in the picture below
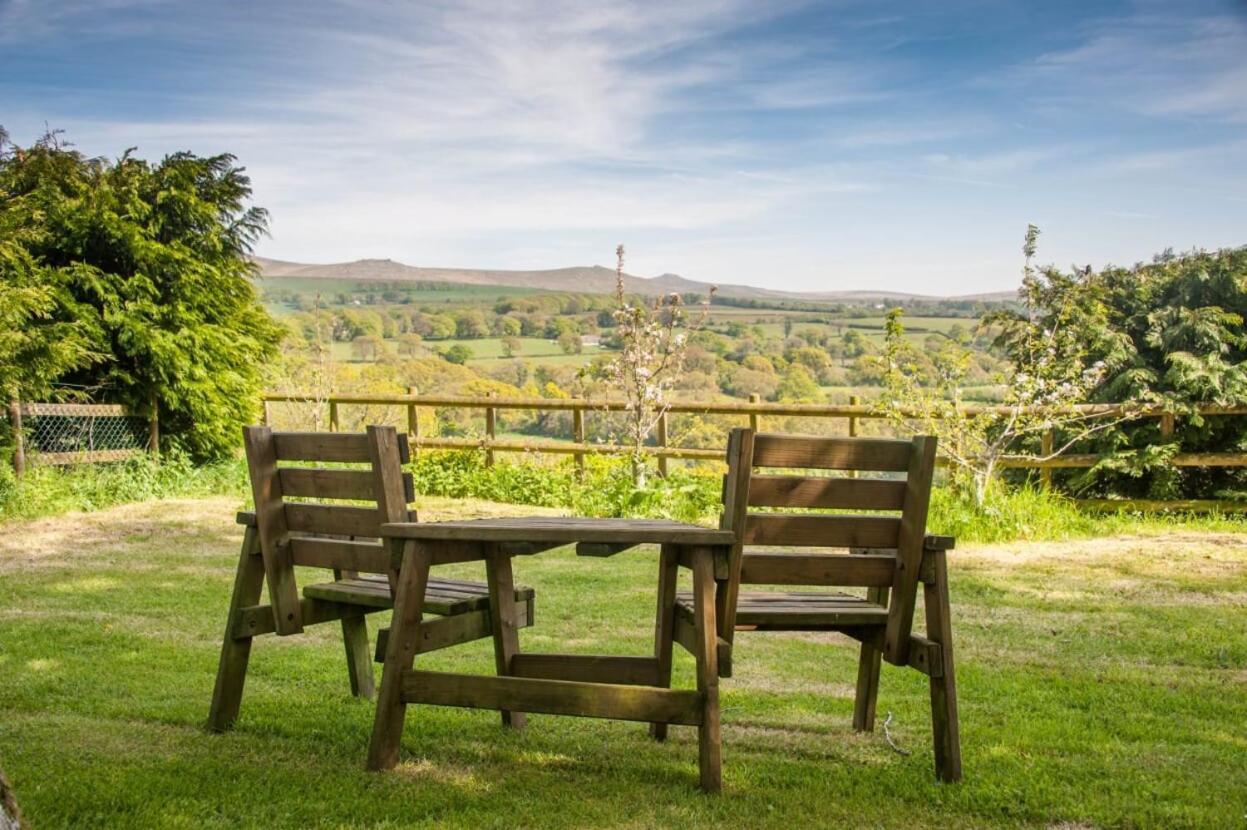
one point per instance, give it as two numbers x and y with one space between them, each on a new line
893 555
344 538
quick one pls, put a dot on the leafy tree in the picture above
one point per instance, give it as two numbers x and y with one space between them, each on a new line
1175 336
470 323
42 335
570 343
507 326
409 344
149 264
458 354
511 346
440 326
367 348
798 386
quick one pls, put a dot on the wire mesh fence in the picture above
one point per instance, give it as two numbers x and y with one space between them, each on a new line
65 433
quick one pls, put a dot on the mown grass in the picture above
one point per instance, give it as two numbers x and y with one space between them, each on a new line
1101 685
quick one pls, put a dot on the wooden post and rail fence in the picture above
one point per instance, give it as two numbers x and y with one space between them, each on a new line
85 443
755 410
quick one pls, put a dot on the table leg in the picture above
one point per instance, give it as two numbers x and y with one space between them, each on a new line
400 652
664 624
502 620
706 632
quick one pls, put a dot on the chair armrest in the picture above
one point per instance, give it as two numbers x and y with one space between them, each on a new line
932 542
246 517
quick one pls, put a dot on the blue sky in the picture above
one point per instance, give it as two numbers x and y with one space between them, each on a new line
796 145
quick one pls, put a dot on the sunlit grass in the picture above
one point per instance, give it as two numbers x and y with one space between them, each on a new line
1102 685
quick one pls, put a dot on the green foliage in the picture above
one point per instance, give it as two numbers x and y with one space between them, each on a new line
146 266
46 491
607 488
1170 331
458 354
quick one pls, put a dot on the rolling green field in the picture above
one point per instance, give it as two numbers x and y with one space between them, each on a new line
915 327
488 350
432 293
1102 684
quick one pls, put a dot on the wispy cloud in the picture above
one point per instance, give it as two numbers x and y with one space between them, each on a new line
1155 63
730 140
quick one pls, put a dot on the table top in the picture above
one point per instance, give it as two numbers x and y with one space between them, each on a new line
563 530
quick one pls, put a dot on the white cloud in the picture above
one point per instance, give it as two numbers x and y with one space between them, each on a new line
1156 64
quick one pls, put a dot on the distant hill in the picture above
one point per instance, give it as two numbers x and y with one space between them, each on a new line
589 279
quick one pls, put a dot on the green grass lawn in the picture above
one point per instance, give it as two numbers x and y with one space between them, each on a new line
1103 683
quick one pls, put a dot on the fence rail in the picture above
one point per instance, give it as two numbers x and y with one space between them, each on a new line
76 433
755 410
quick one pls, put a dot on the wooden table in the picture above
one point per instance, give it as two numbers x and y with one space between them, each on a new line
607 686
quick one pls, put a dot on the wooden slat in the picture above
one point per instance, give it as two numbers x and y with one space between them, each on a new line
80 410
352 592
868 570
883 454
841 493
924 655
553 697
735 507
593 668
822 531
441 632
797 611
330 446
366 557
273 528
565 530
909 553
255 620
685 634
328 483
334 520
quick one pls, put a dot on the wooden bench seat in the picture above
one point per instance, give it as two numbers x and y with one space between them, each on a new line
789 609
444 597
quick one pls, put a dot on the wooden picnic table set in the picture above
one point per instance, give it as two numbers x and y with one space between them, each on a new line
349 514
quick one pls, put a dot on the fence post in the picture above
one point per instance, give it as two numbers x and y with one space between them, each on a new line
491 424
853 400
264 416
1045 448
413 422
19 440
578 435
753 416
153 426
333 416
1166 425
662 443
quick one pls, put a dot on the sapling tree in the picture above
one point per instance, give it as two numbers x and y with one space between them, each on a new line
653 343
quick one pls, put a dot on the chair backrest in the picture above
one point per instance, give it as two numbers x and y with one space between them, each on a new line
820 476
318 530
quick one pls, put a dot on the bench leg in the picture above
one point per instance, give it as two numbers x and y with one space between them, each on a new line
945 726
358 657
502 611
664 625
709 740
869 665
235 653
400 652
